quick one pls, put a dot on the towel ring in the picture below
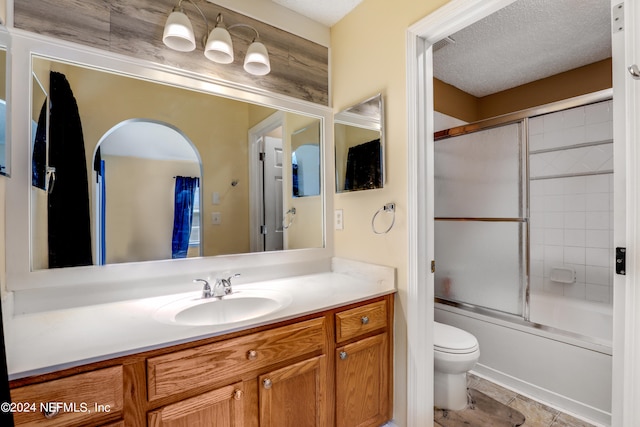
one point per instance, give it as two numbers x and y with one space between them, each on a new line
389 207
291 211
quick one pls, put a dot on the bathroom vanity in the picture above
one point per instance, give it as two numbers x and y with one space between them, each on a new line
318 361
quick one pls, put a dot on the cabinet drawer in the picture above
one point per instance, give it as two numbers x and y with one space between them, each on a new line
360 320
221 407
204 365
83 399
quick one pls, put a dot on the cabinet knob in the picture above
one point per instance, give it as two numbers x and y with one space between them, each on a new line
343 355
364 320
252 355
238 394
267 384
50 414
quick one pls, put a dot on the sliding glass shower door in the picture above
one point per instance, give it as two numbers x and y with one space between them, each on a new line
480 225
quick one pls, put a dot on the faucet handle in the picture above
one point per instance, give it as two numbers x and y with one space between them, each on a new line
206 289
227 284
231 277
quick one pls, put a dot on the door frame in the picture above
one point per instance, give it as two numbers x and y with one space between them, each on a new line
448 19
256 205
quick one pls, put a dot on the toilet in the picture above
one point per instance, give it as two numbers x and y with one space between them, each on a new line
454 353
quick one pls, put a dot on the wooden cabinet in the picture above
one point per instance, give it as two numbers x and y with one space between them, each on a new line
327 369
295 396
362 383
223 407
205 365
88 398
363 367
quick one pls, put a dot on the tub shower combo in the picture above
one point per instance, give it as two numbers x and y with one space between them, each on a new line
524 247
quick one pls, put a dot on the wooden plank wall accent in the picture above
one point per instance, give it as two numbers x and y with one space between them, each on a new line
299 68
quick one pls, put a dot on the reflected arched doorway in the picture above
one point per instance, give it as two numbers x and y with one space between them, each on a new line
137 165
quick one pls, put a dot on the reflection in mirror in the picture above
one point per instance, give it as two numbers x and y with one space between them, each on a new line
305 161
159 159
167 171
359 141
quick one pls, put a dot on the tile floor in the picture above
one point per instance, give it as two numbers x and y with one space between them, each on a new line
536 413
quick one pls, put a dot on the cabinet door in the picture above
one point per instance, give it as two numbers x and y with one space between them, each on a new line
295 396
221 408
362 383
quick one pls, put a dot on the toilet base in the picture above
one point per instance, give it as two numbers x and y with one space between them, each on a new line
450 391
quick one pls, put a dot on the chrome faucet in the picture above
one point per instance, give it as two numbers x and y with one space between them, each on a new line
221 288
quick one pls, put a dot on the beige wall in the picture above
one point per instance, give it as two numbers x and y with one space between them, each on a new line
139 225
368 55
453 102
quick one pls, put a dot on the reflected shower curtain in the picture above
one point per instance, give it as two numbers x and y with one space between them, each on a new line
183 215
68 211
363 166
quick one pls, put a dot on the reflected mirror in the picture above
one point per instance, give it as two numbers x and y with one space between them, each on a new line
305 161
136 170
359 142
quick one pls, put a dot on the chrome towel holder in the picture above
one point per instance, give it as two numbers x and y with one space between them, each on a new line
389 208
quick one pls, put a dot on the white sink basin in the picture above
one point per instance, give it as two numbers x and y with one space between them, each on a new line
241 305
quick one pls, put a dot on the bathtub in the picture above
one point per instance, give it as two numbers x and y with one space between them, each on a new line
591 320
567 370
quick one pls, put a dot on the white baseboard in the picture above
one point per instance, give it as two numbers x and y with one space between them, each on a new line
569 406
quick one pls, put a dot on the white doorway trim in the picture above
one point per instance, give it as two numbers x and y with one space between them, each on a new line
256 207
626 321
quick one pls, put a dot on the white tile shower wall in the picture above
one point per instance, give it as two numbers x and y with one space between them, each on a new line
572 217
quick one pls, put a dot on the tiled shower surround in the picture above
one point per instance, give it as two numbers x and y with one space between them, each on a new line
571 202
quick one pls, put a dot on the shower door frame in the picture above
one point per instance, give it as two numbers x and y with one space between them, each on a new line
523 117
523 205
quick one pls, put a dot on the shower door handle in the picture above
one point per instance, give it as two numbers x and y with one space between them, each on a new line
621 261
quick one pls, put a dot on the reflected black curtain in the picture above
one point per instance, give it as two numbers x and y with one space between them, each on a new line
69 221
39 159
363 166
183 215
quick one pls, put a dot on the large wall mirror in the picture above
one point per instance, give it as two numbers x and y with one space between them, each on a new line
359 142
125 169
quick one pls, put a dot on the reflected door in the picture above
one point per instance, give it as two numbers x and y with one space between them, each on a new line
273 193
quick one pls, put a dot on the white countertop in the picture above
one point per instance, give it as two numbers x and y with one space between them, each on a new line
48 341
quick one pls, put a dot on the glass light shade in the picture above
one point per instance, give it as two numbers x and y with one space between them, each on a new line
178 32
256 61
219 47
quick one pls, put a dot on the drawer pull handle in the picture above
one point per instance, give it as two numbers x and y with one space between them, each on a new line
252 355
50 414
238 394
267 384
364 320
343 355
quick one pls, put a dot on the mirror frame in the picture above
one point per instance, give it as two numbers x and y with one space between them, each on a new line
347 117
18 200
5 43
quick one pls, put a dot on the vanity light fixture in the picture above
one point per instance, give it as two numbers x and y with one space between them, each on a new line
218 47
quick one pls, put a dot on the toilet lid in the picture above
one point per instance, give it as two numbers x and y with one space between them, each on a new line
449 339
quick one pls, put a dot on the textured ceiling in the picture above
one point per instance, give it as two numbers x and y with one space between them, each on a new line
526 41
327 12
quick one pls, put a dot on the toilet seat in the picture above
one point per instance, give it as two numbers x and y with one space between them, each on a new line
449 339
